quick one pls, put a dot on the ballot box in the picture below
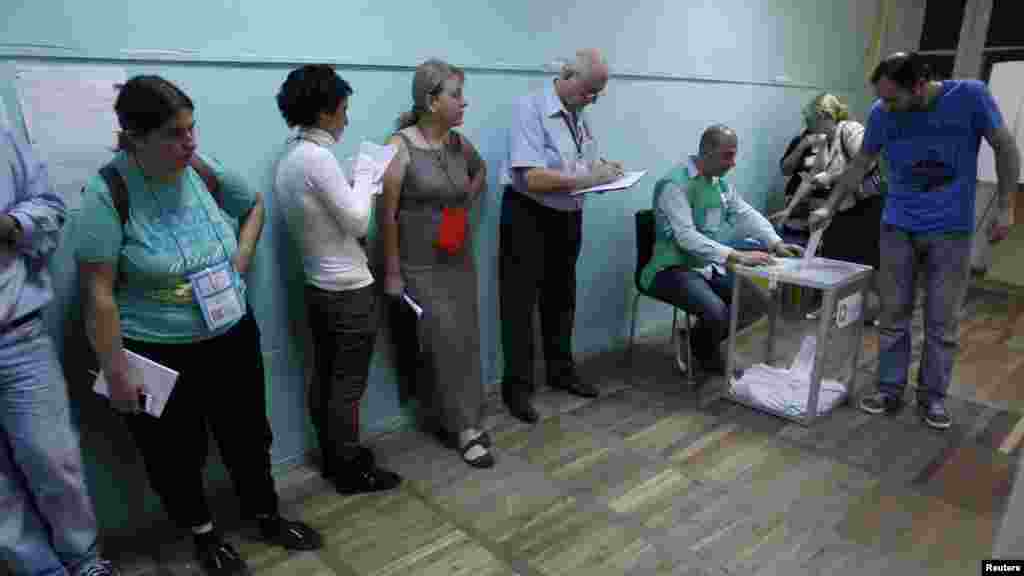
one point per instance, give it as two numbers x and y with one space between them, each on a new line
790 364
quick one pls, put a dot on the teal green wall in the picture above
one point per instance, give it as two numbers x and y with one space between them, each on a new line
677 67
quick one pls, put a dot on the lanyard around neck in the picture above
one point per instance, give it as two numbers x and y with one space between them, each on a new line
577 137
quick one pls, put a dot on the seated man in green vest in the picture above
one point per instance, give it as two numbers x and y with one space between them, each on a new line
694 251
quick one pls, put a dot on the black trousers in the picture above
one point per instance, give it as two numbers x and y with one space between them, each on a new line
854 234
344 326
220 389
538 249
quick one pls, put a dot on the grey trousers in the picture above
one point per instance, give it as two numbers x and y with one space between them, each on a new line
943 263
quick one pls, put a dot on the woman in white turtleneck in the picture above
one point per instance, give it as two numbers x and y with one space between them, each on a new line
327 216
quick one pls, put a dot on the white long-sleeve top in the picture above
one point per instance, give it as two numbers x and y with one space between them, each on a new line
324 213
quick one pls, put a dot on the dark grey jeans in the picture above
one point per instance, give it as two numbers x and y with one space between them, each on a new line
344 326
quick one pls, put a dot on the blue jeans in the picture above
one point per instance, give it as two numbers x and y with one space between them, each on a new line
47 525
944 265
709 300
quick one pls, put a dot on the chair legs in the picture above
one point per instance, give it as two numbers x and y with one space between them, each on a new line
686 367
689 349
632 333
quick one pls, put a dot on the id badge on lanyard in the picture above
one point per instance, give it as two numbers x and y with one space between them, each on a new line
217 295
587 157
585 147
713 219
713 216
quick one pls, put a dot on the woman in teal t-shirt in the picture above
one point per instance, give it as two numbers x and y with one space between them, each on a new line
164 272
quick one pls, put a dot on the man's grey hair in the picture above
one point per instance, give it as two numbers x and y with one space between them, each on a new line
583 64
712 137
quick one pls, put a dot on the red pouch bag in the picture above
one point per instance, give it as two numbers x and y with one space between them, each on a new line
451 234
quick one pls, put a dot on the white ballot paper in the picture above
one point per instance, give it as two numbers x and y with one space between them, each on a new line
157 382
813 242
373 159
627 180
412 304
787 390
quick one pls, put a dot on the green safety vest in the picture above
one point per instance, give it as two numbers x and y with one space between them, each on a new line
703 196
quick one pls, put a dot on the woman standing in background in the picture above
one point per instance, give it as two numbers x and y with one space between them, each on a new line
429 189
165 279
329 217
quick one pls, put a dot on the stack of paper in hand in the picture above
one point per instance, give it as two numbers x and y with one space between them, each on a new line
813 243
626 181
370 164
157 383
787 390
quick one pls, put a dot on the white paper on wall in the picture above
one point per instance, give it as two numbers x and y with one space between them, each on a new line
69 118
1007 87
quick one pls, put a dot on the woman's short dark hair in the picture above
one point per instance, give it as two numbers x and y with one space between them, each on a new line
308 91
903 68
147 102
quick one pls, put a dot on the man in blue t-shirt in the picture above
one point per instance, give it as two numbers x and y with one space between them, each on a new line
929 132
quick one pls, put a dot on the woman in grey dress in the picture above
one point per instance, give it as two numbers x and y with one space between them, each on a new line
429 189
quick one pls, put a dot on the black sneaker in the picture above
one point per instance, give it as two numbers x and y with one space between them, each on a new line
99 568
570 381
289 534
881 403
711 363
934 414
520 407
362 476
217 557
330 465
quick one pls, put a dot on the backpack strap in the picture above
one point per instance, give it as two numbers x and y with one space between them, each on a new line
118 190
842 145
206 173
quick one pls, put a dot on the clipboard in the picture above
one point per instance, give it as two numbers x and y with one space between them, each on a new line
627 180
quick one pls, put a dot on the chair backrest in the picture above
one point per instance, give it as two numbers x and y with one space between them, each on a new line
644 243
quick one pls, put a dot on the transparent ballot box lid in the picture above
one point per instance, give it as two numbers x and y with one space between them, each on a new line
821 273
773 362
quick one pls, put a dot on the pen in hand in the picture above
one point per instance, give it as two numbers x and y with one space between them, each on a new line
619 170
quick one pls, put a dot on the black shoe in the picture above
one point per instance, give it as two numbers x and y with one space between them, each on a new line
517 400
711 364
485 460
881 403
329 466
289 534
99 568
570 381
451 439
362 476
521 408
934 414
217 557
